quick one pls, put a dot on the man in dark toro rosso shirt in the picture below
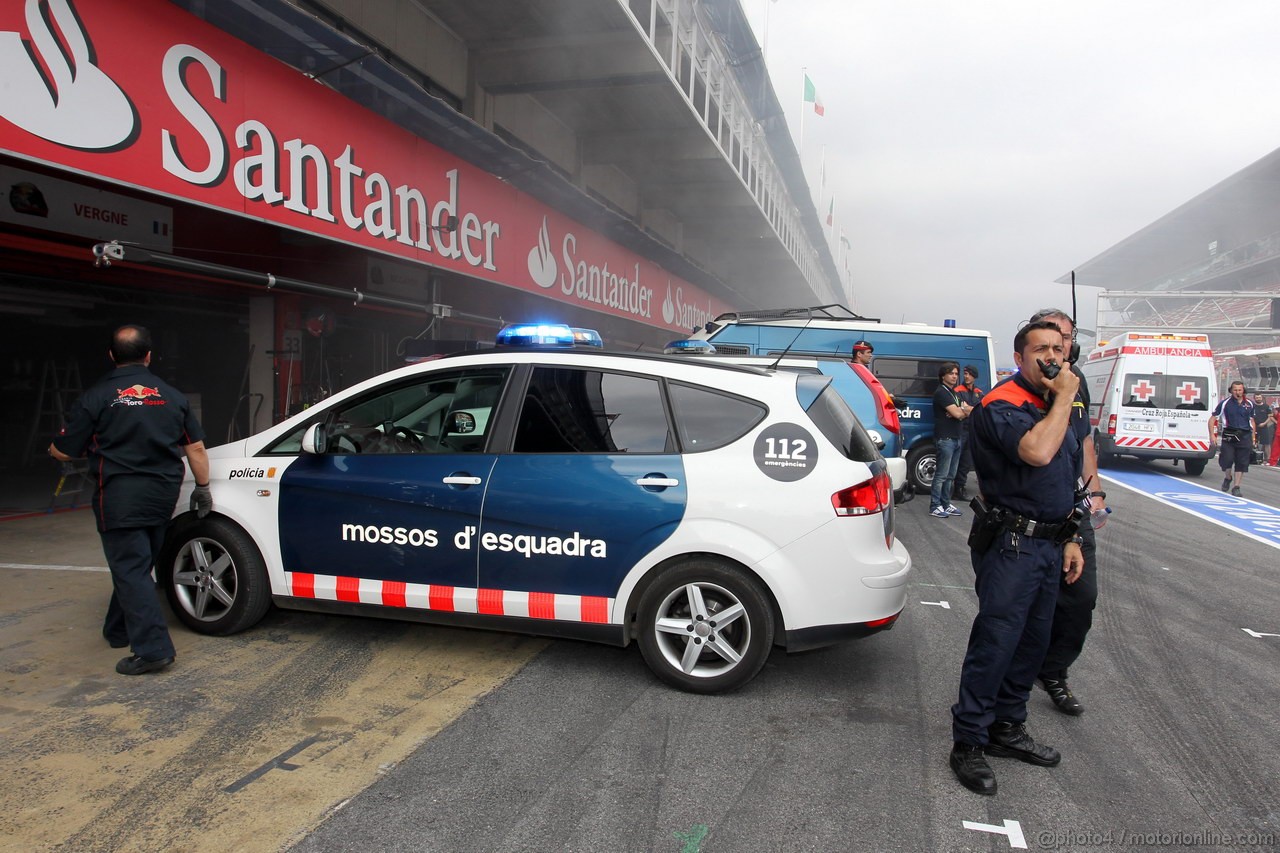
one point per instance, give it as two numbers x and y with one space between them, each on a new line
135 428
1028 461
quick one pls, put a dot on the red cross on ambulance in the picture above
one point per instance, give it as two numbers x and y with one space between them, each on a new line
1142 391
1189 392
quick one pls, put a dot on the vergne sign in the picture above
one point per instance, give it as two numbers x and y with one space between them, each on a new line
146 95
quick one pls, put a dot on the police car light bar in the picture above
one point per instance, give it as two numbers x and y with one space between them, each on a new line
689 348
587 338
544 335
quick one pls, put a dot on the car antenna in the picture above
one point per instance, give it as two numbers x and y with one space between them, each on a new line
799 332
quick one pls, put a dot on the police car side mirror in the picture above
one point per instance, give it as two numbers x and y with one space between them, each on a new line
314 440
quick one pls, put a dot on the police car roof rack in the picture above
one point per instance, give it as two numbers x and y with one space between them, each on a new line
833 311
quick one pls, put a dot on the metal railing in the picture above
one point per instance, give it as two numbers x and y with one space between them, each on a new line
702 74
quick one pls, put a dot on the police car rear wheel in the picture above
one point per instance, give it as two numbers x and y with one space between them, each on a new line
215 579
705 627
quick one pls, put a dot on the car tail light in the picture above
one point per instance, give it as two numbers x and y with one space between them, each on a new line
886 411
1111 425
886 621
866 498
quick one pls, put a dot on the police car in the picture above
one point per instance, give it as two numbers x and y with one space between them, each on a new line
705 511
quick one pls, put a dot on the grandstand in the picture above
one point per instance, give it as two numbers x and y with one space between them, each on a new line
1211 265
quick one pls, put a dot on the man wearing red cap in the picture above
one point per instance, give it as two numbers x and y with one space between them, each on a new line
862 352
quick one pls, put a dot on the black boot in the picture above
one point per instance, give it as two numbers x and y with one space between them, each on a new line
1063 699
1010 740
971 768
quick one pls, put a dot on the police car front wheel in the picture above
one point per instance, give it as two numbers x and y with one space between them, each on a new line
215 577
705 627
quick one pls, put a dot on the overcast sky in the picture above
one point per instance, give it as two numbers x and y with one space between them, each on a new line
979 150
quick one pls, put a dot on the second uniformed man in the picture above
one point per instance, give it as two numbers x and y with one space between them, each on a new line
1028 464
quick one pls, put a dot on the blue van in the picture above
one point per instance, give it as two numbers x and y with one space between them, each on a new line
906 360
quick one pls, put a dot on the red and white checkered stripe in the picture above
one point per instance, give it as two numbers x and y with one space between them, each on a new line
1161 443
451 599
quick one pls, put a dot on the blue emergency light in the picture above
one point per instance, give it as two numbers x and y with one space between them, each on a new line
689 347
541 335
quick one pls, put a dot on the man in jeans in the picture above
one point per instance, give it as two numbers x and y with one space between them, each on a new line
949 410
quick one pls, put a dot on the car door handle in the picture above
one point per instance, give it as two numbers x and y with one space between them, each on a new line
461 480
653 481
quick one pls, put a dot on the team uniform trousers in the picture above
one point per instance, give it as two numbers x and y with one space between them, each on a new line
964 463
1017 581
134 615
1073 613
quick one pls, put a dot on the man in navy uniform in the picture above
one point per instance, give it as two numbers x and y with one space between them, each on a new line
970 393
1028 462
1232 422
135 428
1073 614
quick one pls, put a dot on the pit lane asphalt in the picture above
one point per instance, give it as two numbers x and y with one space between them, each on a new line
581 749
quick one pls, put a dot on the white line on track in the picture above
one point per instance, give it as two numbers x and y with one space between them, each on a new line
55 568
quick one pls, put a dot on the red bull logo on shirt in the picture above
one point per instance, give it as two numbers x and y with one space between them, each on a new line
138 395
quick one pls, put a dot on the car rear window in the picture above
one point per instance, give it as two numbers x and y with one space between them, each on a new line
707 419
834 419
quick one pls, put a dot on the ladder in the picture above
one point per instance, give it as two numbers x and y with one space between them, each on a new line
59 388
75 485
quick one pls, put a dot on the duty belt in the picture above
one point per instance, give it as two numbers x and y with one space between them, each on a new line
1058 531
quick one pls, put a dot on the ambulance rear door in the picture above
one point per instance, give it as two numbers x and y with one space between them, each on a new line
1164 398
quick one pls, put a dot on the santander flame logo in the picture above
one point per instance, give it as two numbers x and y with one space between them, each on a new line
75 104
542 264
668 307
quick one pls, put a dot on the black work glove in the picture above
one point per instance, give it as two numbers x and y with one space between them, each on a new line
201 501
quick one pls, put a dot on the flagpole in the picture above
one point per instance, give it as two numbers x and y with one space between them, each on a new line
803 77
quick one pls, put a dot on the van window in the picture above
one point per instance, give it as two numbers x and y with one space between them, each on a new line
1165 391
907 377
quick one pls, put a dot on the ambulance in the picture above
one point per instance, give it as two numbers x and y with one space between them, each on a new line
1151 397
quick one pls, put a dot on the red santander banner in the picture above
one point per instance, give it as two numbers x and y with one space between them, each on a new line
144 94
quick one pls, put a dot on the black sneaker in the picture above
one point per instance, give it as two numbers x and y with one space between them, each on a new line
1062 697
1235 490
972 769
1010 740
134 665
1226 483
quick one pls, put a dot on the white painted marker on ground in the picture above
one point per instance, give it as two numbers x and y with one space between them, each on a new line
1256 634
943 604
1011 828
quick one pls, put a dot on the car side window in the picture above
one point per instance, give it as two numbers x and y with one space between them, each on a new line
708 419
571 410
441 413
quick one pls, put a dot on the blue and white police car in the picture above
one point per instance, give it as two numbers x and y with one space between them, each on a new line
706 511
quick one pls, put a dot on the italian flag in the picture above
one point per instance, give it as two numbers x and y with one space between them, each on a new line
811 96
